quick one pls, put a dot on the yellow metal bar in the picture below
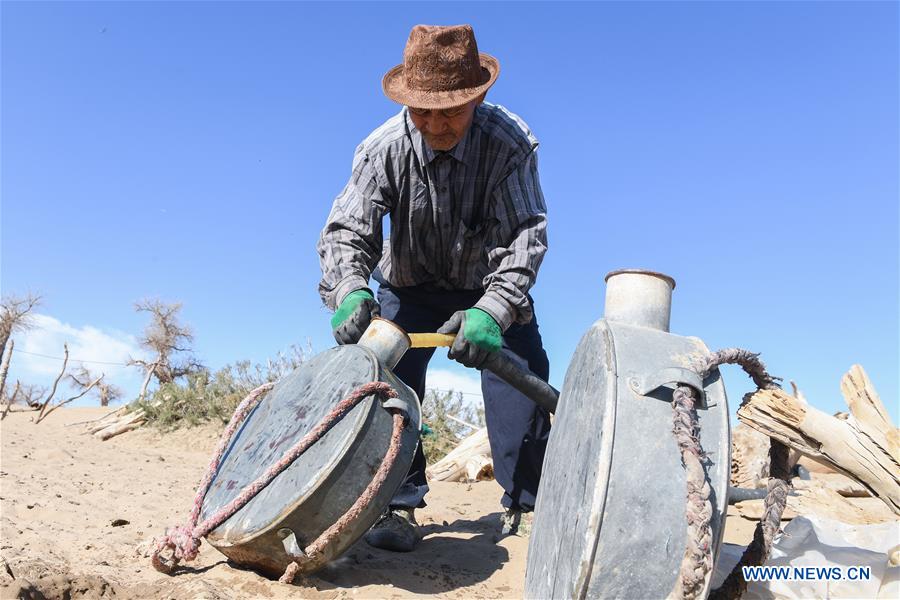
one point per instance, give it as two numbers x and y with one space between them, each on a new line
431 340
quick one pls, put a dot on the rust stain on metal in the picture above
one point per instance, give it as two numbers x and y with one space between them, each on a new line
287 437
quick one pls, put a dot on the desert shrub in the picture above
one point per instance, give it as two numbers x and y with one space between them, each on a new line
204 396
439 408
212 396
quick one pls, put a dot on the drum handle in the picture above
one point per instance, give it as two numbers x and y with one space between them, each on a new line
542 393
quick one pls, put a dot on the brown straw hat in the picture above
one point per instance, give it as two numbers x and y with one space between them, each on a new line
441 68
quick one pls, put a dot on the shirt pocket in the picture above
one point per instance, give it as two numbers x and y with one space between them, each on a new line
419 195
417 214
469 252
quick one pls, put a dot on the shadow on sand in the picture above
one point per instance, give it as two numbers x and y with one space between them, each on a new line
443 561
185 569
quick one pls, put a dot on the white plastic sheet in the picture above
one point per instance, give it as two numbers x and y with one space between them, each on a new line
816 542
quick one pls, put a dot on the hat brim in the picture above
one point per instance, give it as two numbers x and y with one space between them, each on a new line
394 86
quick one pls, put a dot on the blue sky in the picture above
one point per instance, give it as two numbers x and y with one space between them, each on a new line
191 152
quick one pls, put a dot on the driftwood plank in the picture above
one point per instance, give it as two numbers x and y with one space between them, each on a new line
866 407
836 482
453 467
863 446
106 420
127 423
479 468
825 503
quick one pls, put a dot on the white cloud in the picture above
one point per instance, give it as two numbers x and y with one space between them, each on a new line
99 350
38 353
442 379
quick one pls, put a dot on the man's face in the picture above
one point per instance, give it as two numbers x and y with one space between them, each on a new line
443 129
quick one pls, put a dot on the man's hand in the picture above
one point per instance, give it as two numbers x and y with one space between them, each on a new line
477 336
353 316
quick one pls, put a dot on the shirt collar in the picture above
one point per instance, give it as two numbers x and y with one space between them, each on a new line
424 152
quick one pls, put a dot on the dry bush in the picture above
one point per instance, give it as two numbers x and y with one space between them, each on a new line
203 396
442 413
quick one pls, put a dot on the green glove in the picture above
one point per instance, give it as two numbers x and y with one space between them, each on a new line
482 330
477 336
353 316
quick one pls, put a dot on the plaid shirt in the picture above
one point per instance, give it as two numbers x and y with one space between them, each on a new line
471 218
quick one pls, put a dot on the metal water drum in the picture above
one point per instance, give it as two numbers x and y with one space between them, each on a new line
610 515
321 484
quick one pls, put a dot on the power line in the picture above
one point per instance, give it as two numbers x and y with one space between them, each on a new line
96 362
118 364
428 387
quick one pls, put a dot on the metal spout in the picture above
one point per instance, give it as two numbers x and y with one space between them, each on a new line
387 340
638 297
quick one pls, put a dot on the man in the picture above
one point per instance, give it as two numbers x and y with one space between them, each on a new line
459 180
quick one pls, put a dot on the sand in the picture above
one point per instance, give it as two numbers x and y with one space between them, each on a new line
78 516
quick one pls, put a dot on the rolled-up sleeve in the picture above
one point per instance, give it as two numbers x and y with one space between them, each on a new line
350 244
518 205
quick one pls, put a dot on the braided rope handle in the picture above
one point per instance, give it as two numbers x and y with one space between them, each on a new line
757 552
697 564
698 560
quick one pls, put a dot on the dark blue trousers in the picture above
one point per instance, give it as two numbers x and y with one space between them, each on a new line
517 428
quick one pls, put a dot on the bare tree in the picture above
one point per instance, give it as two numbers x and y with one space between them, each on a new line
4 368
14 316
30 395
106 392
168 340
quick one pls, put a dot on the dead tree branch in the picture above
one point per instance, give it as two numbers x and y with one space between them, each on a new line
76 397
121 409
469 461
151 369
62 374
128 422
864 447
9 403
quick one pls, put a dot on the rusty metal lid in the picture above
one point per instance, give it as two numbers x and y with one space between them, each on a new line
295 406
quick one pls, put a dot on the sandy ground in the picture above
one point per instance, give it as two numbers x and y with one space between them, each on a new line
61 491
